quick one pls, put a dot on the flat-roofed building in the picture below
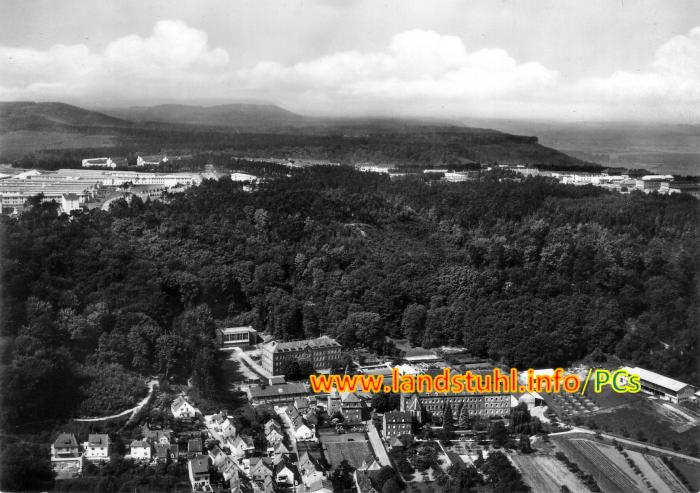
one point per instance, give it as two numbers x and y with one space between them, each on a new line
237 336
320 352
99 162
662 386
276 394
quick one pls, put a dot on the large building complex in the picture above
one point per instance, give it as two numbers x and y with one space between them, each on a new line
661 386
71 188
434 403
320 352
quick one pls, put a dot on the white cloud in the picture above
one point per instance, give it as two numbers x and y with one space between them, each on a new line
672 78
173 60
418 72
416 64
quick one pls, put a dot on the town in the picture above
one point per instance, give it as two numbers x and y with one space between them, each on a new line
283 437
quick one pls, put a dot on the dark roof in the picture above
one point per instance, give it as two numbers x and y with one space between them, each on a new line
98 440
199 464
291 389
397 417
65 440
319 342
194 445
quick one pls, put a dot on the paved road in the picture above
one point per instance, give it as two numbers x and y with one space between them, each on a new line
582 431
151 386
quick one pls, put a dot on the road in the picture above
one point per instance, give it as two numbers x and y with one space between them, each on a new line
582 431
151 386
248 361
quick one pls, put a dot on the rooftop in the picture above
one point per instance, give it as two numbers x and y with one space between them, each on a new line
656 379
291 388
199 464
319 342
237 330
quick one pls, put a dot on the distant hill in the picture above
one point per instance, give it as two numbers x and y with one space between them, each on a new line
26 115
238 115
53 134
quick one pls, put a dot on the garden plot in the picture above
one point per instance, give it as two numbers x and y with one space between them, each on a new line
546 474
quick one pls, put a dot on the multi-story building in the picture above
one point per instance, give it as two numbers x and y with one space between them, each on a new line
237 336
396 423
485 405
97 447
351 407
320 352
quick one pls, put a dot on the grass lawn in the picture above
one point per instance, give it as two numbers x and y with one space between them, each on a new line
690 471
351 447
642 422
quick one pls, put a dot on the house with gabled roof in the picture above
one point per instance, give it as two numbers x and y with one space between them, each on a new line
351 407
241 446
194 447
260 468
285 474
299 427
320 486
97 447
310 469
182 409
65 446
363 483
140 450
198 470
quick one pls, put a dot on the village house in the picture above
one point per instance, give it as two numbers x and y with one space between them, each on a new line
351 407
310 469
320 486
302 405
163 451
228 429
363 484
182 409
260 468
301 431
396 423
281 451
194 447
333 402
140 450
65 446
97 447
273 433
241 446
198 469
285 473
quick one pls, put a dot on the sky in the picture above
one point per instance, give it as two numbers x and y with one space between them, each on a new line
569 60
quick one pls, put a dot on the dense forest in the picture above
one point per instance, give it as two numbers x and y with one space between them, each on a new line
528 273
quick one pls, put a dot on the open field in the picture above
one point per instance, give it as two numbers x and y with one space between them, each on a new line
658 474
352 447
546 474
690 471
610 477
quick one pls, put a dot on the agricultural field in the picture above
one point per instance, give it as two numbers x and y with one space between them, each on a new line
690 471
546 474
611 469
609 476
351 447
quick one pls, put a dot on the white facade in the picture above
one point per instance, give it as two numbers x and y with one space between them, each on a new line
96 448
140 450
99 162
182 409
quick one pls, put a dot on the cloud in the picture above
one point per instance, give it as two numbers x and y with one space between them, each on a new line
416 64
175 58
672 78
418 72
